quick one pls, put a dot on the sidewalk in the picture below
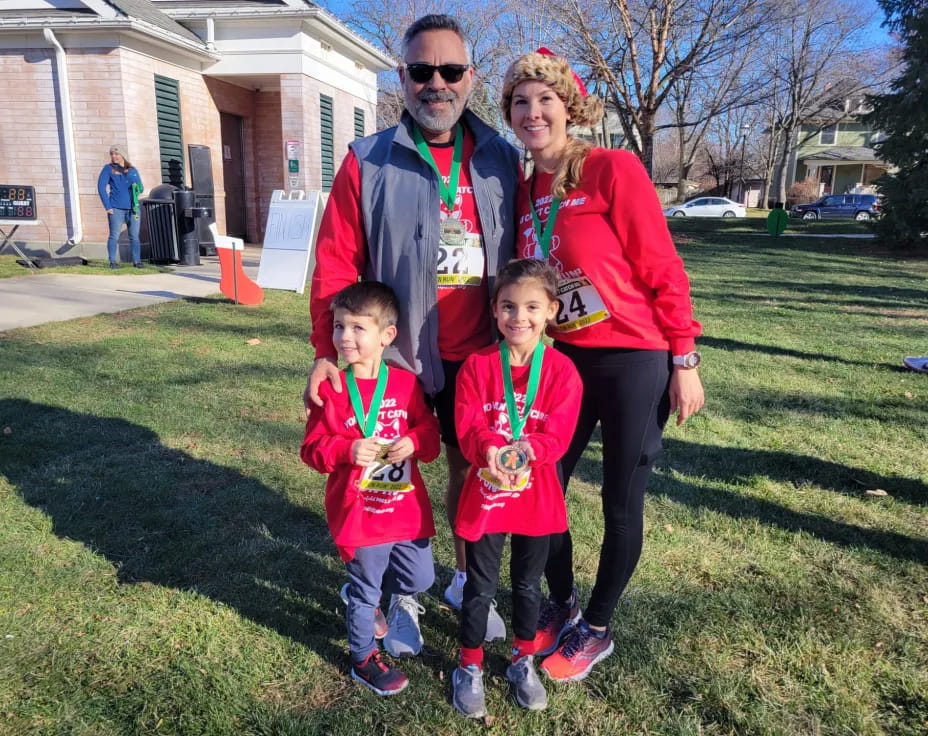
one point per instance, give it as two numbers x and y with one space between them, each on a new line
57 295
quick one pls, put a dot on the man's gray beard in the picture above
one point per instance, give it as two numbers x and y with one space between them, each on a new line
437 122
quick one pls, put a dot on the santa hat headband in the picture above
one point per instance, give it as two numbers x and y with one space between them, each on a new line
545 66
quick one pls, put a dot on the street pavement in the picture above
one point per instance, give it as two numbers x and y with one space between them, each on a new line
58 295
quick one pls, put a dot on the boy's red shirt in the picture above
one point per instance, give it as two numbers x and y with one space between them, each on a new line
393 506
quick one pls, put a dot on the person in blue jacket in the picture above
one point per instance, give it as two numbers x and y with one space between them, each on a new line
119 185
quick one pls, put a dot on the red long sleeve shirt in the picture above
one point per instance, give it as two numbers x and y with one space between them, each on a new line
341 253
611 244
362 508
482 422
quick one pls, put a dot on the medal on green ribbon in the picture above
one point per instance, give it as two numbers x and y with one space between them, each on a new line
448 192
512 457
367 421
544 235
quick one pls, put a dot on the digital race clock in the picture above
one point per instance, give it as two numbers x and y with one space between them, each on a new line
17 203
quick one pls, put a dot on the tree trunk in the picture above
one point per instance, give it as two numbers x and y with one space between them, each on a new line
783 164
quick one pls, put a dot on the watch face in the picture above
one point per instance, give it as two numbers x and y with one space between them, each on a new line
691 360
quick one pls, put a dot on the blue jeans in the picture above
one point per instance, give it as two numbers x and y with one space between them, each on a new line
398 568
117 219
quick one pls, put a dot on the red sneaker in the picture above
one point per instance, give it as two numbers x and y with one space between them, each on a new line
378 676
554 621
575 657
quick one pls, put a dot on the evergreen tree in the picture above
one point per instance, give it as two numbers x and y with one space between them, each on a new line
902 115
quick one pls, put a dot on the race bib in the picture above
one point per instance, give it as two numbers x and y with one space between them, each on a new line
579 305
389 478
460 263
491 480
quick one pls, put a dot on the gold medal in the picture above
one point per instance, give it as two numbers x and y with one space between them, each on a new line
511 458
381 457
452 232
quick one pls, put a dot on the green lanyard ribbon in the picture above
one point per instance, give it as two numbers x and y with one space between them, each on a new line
544 236
450 192
516 421
367 421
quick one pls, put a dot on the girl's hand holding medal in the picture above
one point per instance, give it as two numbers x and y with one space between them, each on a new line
511 463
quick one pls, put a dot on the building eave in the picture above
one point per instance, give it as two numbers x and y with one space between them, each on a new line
314 16
73 24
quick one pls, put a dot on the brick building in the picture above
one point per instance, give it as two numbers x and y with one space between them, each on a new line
242 77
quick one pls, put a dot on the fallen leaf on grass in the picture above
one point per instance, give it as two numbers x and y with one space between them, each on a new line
253 341
441 675
908 394
488 721
876 492
668 527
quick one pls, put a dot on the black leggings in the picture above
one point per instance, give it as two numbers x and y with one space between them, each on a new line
626 392
526 564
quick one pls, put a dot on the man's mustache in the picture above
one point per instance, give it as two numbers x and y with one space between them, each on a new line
437 97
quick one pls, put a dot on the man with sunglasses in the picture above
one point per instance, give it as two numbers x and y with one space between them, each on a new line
427 207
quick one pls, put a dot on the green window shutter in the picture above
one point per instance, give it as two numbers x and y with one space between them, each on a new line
170 132
358 122
327 141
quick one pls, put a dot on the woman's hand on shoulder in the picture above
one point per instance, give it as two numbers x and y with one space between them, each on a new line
686 393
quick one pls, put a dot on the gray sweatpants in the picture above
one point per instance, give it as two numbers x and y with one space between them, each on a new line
396 568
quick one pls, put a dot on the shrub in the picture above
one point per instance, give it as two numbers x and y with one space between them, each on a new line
802 192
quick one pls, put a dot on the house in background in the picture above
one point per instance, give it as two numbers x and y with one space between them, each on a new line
836 150
240 77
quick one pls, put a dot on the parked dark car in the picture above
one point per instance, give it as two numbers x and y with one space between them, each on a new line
853 206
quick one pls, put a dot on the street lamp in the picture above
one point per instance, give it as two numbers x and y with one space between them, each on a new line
744 139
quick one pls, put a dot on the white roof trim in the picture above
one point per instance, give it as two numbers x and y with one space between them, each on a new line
70 24
296 11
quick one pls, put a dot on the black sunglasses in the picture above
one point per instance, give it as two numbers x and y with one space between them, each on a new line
422 73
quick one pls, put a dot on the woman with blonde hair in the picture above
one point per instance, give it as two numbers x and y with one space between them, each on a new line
624 318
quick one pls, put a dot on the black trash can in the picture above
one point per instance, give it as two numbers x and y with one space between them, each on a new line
187 213
161 224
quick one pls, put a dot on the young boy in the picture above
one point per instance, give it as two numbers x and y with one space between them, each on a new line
368 438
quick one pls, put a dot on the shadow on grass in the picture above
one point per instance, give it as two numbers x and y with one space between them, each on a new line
162 516
722 343
730 465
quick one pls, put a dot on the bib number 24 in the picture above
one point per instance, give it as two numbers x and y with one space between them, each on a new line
570 309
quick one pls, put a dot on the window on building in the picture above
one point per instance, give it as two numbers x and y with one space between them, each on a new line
170 132
327 141
828 135
358 122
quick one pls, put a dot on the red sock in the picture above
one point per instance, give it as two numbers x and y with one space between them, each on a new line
471 656
522 648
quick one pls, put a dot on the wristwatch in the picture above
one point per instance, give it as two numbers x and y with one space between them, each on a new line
690 360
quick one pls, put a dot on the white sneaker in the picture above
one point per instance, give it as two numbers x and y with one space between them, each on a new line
403 639
454 595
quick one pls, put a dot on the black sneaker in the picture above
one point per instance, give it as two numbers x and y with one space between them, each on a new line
113 264
138 264
378 676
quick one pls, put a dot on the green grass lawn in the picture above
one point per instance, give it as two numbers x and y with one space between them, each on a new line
165 565
9 268
756 222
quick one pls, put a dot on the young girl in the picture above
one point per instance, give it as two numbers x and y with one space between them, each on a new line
515 412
